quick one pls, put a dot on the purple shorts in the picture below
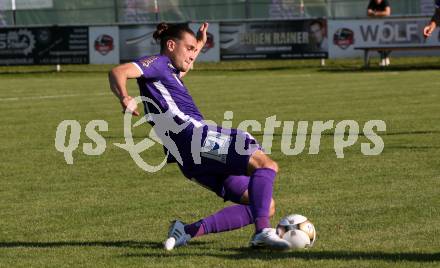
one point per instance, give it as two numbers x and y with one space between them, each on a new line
224 158
222 152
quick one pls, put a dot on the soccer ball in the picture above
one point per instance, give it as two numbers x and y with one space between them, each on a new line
297 230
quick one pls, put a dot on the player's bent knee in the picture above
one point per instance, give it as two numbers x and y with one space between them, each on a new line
260 160
272 165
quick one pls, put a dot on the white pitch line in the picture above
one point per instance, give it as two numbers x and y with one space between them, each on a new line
51 97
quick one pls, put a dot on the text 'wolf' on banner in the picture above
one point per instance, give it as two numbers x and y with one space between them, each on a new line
348 36
274 39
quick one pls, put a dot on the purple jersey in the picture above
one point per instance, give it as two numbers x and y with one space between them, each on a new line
160 81
217 156
437 3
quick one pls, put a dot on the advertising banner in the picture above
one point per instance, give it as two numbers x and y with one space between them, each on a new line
274 39
104 45
346 35
44 45
137 40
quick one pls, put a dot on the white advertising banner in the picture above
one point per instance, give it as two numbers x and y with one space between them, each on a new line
347 35
104 45
137 41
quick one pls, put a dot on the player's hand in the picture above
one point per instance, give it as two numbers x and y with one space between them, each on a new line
130 105
202 34
427 31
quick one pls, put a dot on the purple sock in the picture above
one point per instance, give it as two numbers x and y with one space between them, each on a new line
195 229
260 195
227 219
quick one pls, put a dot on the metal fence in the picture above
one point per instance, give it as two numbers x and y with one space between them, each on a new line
61 12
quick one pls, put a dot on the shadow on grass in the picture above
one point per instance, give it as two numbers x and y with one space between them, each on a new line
248 253
110 244
231 253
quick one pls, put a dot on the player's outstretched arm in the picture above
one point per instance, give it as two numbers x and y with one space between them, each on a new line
117 78
202 37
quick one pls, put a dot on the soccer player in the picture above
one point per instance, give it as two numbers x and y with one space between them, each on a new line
244 178
427 31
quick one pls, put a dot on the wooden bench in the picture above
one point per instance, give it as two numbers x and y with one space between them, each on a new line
390 48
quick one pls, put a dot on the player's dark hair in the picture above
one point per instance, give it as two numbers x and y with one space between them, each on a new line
167 31
319 22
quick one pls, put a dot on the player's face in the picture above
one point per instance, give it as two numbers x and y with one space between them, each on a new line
316 31
378 2
182 53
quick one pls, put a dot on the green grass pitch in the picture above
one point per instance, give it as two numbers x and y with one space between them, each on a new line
104 211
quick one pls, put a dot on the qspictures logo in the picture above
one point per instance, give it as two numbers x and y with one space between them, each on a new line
215 144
